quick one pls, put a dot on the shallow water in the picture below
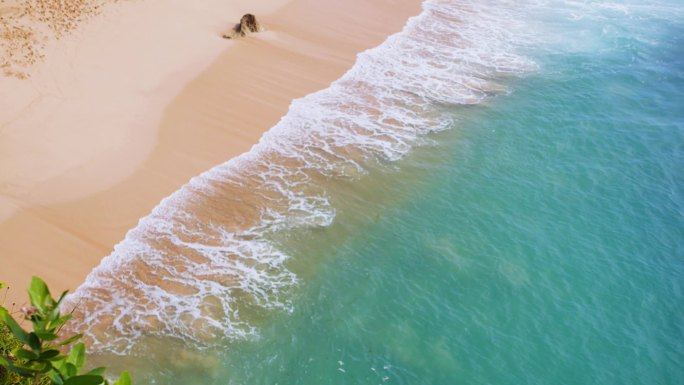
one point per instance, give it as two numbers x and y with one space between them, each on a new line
530 232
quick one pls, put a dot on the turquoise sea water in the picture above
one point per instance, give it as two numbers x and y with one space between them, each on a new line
538 241
544 245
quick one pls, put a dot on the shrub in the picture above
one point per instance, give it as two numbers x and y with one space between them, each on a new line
36 357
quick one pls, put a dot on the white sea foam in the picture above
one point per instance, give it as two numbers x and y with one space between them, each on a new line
200 265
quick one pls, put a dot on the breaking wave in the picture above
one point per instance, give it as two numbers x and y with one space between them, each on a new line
201 265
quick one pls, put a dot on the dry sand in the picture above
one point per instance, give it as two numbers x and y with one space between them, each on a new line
144 95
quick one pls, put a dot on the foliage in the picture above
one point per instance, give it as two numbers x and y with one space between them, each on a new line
7 344
37 356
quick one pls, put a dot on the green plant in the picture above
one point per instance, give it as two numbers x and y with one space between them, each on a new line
7 344
38 353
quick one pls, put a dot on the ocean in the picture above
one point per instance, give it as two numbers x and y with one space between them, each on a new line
495 195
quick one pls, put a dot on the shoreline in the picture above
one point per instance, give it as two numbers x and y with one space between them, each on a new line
217 115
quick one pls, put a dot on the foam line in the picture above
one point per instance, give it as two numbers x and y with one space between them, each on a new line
202 260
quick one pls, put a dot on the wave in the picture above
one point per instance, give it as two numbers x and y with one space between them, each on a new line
201 267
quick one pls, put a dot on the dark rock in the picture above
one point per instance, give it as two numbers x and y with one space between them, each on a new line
248 24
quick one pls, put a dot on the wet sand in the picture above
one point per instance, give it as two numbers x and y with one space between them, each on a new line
131 105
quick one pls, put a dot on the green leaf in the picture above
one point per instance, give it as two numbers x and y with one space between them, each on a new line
59 321
33 366
46 336
60 367
49 354
61 297
58 361
125 379
18 370
70 340
54 316
47 366
85 379
14 327
34 342
24 354
38 322
97 371
56 378
3 285
69 370
77 355
39 294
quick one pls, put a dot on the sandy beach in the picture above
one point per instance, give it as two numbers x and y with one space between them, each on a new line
140 97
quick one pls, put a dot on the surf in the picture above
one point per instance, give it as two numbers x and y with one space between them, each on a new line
202 267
